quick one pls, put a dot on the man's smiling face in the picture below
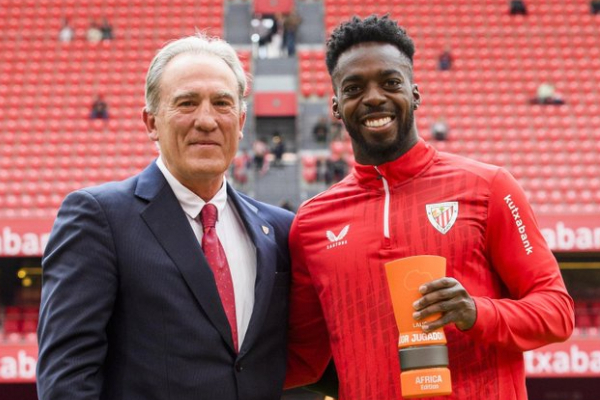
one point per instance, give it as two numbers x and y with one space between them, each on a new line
375 98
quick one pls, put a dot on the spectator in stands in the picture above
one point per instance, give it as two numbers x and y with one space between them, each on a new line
66 33
291 24
276 43
445 60
287 205
277 148
106 29
132 306
320 129
270 36
260 150
94 34
337 131
99 109
546 94
518 7
263 33
336 169
241 166
503 293
595 7
439 129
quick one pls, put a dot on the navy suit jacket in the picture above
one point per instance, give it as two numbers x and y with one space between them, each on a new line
130 309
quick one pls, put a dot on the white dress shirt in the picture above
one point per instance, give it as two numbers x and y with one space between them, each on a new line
239 249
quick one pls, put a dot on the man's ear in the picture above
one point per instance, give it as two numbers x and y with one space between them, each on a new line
335 108
242 122
416 96
150 122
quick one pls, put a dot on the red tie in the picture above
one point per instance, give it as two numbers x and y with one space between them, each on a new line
215 255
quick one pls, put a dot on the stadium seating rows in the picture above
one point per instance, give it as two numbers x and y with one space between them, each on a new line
46 89
19 323
499 61
50 146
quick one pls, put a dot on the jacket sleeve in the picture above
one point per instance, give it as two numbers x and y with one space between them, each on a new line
79 286
308 341
538 310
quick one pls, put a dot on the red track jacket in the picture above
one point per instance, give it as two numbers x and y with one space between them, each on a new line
426 202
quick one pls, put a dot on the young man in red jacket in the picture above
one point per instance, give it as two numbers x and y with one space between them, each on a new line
503 293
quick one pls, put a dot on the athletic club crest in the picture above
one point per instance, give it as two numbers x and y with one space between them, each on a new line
442 215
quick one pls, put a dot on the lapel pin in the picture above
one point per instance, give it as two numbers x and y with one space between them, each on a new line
265 229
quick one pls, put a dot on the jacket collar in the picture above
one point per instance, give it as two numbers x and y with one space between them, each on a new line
398 171
167 221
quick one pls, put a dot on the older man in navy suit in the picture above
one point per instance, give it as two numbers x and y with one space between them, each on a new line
134 306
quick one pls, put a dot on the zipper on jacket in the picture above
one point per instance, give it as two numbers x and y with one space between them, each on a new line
386 209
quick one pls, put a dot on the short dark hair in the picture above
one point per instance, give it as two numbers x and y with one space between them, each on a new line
371 29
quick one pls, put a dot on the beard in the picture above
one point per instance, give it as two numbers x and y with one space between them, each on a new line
382 152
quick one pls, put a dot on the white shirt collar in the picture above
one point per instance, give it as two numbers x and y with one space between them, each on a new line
191 202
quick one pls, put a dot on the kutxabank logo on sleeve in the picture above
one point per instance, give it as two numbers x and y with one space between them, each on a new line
442 215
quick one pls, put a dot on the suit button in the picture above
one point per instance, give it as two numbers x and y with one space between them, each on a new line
238 367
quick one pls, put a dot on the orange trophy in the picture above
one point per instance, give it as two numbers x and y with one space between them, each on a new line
423 356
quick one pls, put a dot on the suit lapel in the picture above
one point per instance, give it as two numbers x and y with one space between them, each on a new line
169 224
262 235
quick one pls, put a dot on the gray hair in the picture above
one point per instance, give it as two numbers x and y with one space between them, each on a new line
196 44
